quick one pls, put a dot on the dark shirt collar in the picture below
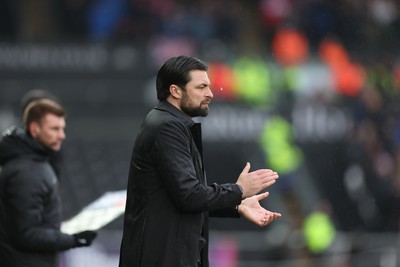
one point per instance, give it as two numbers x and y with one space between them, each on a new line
166 106
16 142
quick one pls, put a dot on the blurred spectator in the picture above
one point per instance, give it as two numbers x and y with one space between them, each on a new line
103 18
34 95
318 20
30 210
368 24
37 21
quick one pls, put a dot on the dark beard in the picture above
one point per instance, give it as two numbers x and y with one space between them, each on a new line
192 111
195 112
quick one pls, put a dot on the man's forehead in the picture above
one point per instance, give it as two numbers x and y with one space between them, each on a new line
50 118
199 76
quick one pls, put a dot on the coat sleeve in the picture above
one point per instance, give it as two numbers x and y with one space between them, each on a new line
26 198
176 167
230 212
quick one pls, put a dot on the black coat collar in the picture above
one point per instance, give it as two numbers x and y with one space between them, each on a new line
166 106
195 127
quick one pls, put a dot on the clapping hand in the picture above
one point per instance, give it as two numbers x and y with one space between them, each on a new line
251 209
253 182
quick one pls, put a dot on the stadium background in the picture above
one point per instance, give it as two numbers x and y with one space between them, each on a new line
308 88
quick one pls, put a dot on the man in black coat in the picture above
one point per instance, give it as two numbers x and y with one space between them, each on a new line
169 201
30 212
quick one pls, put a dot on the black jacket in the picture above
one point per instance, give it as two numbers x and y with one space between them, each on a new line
29 204
169 201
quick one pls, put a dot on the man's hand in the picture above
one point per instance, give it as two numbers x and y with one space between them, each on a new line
251 209
253 182
85 238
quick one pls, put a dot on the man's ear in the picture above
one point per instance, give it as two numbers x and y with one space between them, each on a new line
34 129
175 91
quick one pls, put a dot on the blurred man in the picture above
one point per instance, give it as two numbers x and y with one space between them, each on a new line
29 200
169 201
36 94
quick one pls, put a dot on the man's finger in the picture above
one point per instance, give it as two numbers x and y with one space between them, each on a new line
246 168
268 183
262 196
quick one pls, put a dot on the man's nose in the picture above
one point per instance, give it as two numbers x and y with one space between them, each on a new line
209 93
62 135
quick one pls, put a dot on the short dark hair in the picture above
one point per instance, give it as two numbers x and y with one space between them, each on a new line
38 109
176 71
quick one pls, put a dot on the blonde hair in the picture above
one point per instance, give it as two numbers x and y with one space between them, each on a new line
36 110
